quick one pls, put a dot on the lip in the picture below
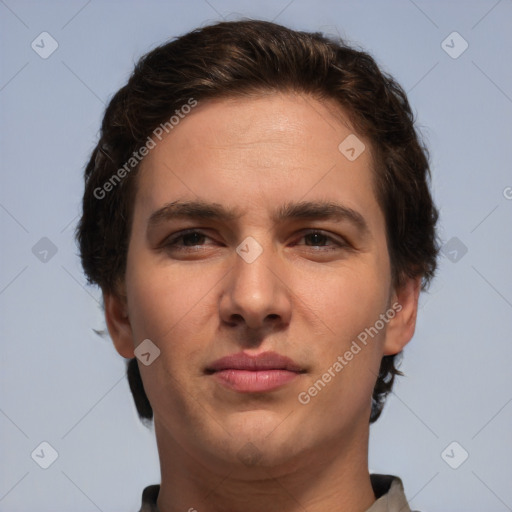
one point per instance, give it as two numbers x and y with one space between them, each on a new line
254 374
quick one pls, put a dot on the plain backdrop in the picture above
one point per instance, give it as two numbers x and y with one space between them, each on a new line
62 384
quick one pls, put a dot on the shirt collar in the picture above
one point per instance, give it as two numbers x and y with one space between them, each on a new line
388 490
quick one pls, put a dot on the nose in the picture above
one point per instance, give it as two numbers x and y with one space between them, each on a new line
255 294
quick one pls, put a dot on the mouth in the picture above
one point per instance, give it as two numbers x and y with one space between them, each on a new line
254 374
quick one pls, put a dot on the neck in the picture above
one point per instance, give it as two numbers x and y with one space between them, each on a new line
329 478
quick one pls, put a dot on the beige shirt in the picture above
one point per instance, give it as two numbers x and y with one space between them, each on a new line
388 490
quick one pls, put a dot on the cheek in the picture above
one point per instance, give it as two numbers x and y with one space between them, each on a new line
176 309
347 300
162 298
344 386
168 307
151 312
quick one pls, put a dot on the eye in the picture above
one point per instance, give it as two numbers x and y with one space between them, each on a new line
315 238
185 240
193 240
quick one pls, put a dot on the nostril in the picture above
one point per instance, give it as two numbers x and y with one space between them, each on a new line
236 317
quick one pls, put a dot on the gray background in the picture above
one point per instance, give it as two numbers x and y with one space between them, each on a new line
62 384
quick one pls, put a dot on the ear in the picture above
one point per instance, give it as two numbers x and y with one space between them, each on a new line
401 327
118 323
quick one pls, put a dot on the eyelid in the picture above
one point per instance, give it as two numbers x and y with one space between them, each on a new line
338 239
333 241
179 234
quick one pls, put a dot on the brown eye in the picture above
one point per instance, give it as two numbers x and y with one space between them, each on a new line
192 238
322 239
185 239
317 239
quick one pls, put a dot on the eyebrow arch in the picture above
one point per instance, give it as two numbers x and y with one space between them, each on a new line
192 210
307 210
321 210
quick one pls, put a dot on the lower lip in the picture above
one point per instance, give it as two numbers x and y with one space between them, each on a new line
248 381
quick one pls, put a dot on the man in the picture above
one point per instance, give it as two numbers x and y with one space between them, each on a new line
258 217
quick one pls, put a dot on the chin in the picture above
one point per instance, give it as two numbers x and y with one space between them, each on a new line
265 441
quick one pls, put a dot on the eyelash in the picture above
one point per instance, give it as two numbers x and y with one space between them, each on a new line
172 241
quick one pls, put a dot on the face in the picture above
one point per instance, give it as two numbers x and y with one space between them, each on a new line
257 258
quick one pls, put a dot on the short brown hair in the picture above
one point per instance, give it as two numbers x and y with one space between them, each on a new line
250 57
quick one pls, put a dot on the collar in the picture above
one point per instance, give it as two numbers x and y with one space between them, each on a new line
388 490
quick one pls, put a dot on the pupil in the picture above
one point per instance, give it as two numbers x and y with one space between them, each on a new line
192 238
316 238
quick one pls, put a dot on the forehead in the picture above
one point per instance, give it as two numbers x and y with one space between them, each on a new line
254 151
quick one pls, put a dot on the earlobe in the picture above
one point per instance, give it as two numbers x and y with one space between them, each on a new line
118 324
401 328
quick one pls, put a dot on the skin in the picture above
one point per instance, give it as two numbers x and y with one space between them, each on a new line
306 297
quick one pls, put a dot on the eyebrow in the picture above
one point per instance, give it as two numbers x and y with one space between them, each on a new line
306 210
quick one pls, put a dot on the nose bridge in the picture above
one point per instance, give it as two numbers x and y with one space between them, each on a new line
253 281
254 292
